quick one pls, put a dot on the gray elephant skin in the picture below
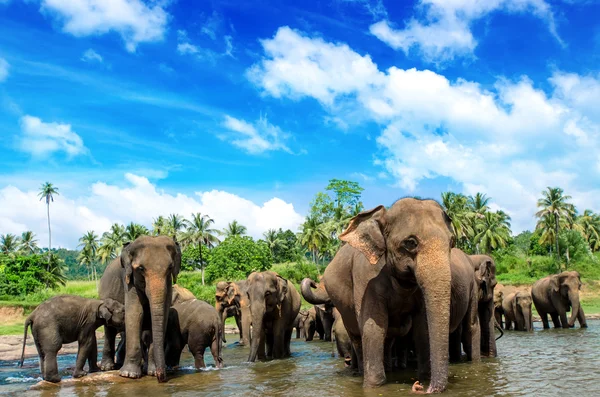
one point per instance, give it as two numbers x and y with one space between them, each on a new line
517 310
556 295
299 323
274 305
66 319
485 276
341 338
231 300
393 274
194 323
112 287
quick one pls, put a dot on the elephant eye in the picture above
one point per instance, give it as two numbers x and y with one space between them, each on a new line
141 268
410 244
267 293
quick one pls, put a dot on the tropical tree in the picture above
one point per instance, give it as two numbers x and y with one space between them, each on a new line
86 259
89 254
555 211
47 192
493 231
314 237
135 230
9 243
272 239
54 276
159 226
175 223
456 206
199 231
234 229
478 203
111 243
588 224
28 243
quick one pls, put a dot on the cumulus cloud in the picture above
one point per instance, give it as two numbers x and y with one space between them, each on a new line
136 21
139 201
255 138
91 56
41 139
442 29
510 141
3 69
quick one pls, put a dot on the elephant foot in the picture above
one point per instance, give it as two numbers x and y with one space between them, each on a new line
94 368
107 365
373 381
131 371
52 378
79 373
151 370
584 325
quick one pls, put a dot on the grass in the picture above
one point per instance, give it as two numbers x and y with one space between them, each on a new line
12 329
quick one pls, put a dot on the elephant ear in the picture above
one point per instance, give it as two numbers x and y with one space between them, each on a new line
176 261
103 311
282 287
126 259
555 282
232 292
365 233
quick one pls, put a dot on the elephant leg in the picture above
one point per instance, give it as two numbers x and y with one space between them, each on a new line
133 327
564 320
215 350
108 351
246 323
51 367
198 348
287 341
224 317
507 323
556 320
93 355
199 359
238 322
41 356
544 317
471 338
279 338
454 343
297 332
581 318
421 341
82 356
373 340
357 354
261 344
388 360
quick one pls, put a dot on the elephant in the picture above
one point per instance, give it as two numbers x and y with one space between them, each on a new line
111 287
151 267
556 295
231 300
485 275
197 324
341 338
393 274
299 323
324 317
181 294
274 305
309 324
66 319
517 310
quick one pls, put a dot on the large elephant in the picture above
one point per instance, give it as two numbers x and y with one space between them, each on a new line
556 295
324 324
517 310
112 287
69 318
231 300
274 305
485 276
151 267
394 273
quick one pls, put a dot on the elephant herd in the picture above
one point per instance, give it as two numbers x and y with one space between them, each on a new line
396 290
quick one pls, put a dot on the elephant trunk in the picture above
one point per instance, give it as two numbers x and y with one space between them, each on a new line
159 309
574 299
433 277
317 296
527 319
258 315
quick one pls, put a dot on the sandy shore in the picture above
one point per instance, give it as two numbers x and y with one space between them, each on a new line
11 345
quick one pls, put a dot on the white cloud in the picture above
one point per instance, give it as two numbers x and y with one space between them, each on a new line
443 29
256 138
91 56
510 141
211 25
187 48
140 201
42 139
375 8
137 21
3 69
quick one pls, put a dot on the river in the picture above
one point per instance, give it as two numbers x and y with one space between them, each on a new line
543 363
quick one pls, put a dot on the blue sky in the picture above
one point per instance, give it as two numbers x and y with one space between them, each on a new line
244 110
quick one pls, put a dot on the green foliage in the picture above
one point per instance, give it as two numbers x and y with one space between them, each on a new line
236 257
296 271
190 257
193 282
573 246
24 275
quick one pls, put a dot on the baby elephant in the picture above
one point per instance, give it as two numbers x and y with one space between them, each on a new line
66 319
197 324
517 310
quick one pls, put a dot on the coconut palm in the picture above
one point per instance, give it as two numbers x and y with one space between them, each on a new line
199 231
313 236
54 276
89 254
456 206
175 223
554 208
135 230
47 192
273 241
9 243
87 258
588 224
159 226
28 243
493 231
478 203
234 229
111 243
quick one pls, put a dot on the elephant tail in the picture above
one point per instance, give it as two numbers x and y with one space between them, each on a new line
28 322
220 336
314 293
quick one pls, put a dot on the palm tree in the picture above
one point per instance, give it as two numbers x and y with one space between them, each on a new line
588 225
112 243
273 241
159 226
555 208
456 206
174 224
234 229
89 253
47 192
86 258
55 276
135 230
9 243
313 237
478 203
28 242
493 231
199 230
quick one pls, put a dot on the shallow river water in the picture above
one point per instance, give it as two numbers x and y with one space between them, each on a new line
545 363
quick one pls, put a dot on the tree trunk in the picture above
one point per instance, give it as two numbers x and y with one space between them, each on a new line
201 263
556 237
49 237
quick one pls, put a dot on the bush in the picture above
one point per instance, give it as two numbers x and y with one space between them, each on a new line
297 271
193 282
237 257
24 275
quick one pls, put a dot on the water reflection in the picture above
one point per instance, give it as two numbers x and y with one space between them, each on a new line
548 363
